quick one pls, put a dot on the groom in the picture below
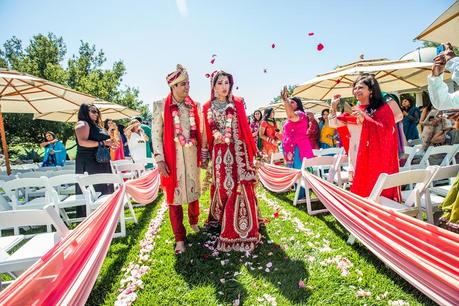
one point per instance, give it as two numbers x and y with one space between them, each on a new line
177 151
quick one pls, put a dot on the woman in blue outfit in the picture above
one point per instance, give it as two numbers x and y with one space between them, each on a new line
55 152
411 115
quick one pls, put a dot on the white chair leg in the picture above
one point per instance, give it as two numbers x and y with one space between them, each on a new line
122 232
351 239
297 192
131 209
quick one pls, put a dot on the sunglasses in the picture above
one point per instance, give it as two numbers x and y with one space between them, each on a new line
94 111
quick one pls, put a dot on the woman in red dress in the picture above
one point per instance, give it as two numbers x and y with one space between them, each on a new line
377 147
231 146
269 133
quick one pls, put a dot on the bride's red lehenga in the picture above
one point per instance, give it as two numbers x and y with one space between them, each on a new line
233 201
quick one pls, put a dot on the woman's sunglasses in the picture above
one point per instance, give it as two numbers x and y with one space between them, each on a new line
94 111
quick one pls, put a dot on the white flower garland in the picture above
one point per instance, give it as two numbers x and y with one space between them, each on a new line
131 280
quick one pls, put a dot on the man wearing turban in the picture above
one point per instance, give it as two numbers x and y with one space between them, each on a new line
177 149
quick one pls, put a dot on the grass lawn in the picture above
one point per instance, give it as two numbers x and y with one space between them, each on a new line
302 260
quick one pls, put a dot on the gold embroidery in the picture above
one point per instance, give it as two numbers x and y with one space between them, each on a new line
242 220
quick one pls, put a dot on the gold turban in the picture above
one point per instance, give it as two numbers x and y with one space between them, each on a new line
179 75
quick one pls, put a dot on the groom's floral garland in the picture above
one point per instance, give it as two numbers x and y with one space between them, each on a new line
229 115
179 137
131 280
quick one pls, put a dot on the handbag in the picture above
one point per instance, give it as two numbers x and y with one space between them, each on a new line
103 153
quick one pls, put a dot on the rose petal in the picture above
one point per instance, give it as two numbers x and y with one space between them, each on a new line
320 47
301 283
207 75
310 33
338 81
265 70
212 61
273 46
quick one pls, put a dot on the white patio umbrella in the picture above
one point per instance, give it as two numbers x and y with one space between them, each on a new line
392 76
312 106
445 28
24 93
107 110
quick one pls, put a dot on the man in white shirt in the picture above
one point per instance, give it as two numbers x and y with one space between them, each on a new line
438 90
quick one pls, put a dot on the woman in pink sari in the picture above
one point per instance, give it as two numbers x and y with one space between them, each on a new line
295 141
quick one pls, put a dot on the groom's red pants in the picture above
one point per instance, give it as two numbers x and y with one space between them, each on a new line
176 217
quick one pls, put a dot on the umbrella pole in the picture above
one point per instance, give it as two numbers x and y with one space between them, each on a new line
4 145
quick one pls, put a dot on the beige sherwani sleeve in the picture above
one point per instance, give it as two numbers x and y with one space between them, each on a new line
157 125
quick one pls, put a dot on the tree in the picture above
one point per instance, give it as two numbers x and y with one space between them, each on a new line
44 57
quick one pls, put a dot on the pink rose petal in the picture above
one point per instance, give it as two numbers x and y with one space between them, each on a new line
207 75
212 61
301 283
310 33
320 47
273 46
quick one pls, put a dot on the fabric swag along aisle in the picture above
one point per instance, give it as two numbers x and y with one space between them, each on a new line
231 147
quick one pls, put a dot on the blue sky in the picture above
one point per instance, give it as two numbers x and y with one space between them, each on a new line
151 37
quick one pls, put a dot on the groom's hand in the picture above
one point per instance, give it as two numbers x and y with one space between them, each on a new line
163 169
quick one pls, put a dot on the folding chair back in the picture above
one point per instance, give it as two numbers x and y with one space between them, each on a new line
328 151
449 150
277 157
130 171
421 177
115 163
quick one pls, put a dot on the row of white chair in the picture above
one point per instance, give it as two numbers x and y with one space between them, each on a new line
450 152
59 191
32 250
425 196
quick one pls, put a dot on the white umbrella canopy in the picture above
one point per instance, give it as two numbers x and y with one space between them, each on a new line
445 28
107 110
392 76
24 93
309 106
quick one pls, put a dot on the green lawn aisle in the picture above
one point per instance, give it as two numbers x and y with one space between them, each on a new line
121 252
302 260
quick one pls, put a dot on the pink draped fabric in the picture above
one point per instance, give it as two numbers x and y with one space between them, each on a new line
277 178
66 274
425 255
144 190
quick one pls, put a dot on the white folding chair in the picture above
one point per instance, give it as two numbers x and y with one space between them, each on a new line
315 163
130 171
437 194
38 245
146 161
87 187
411 152
277 157
411 200
64 185
14 189
115 163
328 151
449 151
34 192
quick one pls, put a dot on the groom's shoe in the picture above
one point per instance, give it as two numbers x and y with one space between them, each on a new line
195 228
180 247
